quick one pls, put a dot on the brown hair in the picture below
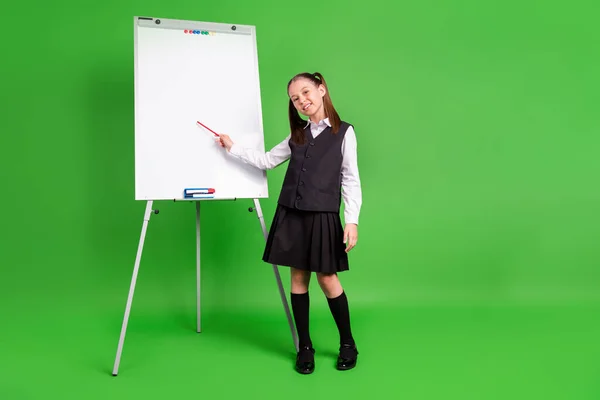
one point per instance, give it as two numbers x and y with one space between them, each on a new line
297 124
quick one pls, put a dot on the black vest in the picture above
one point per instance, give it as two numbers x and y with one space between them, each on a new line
313 179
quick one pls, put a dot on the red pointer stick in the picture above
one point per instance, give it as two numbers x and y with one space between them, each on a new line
215 133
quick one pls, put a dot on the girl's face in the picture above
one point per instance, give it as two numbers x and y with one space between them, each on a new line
307 97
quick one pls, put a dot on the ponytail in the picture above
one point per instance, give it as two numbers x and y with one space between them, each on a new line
296 124
330 112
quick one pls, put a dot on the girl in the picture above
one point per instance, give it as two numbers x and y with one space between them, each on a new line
306 233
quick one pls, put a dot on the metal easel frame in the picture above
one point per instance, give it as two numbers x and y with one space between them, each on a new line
136 268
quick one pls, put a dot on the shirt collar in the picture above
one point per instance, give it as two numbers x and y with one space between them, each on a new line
322 122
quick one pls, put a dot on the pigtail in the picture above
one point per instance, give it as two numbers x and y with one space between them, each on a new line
296 124
330 112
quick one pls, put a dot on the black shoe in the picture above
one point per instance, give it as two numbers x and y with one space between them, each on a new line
305 360
347 357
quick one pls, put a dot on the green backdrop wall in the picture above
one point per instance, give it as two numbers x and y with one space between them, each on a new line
477 126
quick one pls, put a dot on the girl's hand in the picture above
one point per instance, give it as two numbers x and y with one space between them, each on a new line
225 141
350 236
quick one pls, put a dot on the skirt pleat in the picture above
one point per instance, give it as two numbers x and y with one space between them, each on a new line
312 241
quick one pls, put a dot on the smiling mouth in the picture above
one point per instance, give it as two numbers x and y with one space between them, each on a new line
306 106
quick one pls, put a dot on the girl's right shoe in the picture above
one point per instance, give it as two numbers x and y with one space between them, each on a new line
305 360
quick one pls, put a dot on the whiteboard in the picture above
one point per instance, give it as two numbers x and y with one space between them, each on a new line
189 71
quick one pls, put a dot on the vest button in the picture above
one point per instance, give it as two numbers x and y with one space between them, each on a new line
303 169
312 143
298 197
301 183
307 156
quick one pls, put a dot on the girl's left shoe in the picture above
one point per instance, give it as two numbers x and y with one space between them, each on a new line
347 357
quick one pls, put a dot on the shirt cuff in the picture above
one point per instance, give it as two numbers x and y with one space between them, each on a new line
350 218
235 150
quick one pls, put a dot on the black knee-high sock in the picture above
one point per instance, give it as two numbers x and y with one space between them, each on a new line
300 307
341 315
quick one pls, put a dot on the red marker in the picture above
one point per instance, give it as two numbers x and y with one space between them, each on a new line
199 191
215 133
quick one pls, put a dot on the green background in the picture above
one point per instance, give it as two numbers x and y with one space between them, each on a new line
476 271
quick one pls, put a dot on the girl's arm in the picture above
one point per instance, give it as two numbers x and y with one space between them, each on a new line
257 158
351 189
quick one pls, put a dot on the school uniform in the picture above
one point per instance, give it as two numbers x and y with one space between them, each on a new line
306 231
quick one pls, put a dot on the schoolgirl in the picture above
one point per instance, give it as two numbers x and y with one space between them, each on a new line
306 233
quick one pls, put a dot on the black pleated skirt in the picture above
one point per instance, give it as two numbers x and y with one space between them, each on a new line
312 241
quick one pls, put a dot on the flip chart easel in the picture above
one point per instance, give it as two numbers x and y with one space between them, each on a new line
186 72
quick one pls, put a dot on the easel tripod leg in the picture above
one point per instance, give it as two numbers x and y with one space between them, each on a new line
278 278
132 287
198 316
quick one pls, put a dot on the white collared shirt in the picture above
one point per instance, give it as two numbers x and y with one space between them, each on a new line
351 189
